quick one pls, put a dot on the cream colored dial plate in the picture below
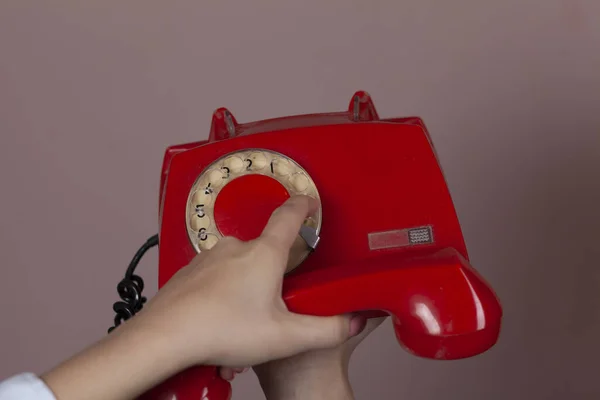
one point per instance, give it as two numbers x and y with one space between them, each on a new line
200 220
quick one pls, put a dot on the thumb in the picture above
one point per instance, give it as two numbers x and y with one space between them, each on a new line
311 333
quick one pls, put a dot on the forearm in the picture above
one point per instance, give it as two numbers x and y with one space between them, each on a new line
333 390
316 381
122 366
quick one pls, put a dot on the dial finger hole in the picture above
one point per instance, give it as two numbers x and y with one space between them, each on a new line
256 161
216 178
299 182
202 199
234 164
281 167
207 241
199 221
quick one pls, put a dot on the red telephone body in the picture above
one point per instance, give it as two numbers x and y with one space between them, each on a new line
390 239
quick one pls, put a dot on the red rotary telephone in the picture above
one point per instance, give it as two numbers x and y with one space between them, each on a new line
389 241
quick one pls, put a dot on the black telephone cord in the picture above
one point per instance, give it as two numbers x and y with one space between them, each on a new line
130 288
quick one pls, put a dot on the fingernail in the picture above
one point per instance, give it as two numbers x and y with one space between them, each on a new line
357 324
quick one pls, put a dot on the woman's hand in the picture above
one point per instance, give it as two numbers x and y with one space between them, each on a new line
224 308
232 296
317 374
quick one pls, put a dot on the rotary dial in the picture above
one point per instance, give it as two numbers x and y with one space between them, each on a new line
236 194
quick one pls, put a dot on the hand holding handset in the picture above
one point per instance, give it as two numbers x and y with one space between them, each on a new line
386 240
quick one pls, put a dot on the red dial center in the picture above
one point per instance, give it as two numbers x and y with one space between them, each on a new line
244 206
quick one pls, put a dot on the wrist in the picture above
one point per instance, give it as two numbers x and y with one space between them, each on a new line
165 341
150 345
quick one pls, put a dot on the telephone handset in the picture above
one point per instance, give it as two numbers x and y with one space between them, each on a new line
389 240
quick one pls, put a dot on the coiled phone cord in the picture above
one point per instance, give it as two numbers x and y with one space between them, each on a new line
130 288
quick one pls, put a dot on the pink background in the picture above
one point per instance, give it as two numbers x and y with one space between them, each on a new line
91 92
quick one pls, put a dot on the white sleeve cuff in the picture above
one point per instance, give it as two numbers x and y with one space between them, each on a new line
26 386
